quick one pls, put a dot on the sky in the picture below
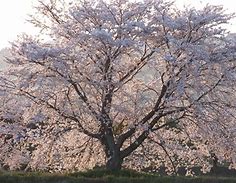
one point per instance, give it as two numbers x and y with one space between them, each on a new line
13 15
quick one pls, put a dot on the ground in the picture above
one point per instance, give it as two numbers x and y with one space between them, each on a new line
101 176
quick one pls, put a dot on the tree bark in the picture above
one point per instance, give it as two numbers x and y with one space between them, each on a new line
112 151
114 162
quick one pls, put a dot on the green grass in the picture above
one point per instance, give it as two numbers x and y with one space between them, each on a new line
99 173
103 176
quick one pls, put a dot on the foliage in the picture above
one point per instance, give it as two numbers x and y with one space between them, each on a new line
135 84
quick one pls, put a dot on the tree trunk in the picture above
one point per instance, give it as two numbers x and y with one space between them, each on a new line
112 151
114 162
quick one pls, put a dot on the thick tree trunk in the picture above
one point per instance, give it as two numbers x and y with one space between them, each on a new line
114 162
112 151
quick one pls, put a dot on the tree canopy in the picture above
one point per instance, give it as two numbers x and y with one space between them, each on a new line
137 84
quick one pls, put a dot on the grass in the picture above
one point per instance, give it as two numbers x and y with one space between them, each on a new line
103 176
99 173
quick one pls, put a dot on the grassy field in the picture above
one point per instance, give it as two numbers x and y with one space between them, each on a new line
100 176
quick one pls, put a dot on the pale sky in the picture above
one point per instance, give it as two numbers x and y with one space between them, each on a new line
13 15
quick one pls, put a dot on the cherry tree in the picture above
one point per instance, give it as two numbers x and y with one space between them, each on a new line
123 83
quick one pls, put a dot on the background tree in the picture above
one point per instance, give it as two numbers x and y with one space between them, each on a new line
133 83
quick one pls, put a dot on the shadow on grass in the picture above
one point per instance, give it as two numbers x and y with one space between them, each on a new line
104 176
